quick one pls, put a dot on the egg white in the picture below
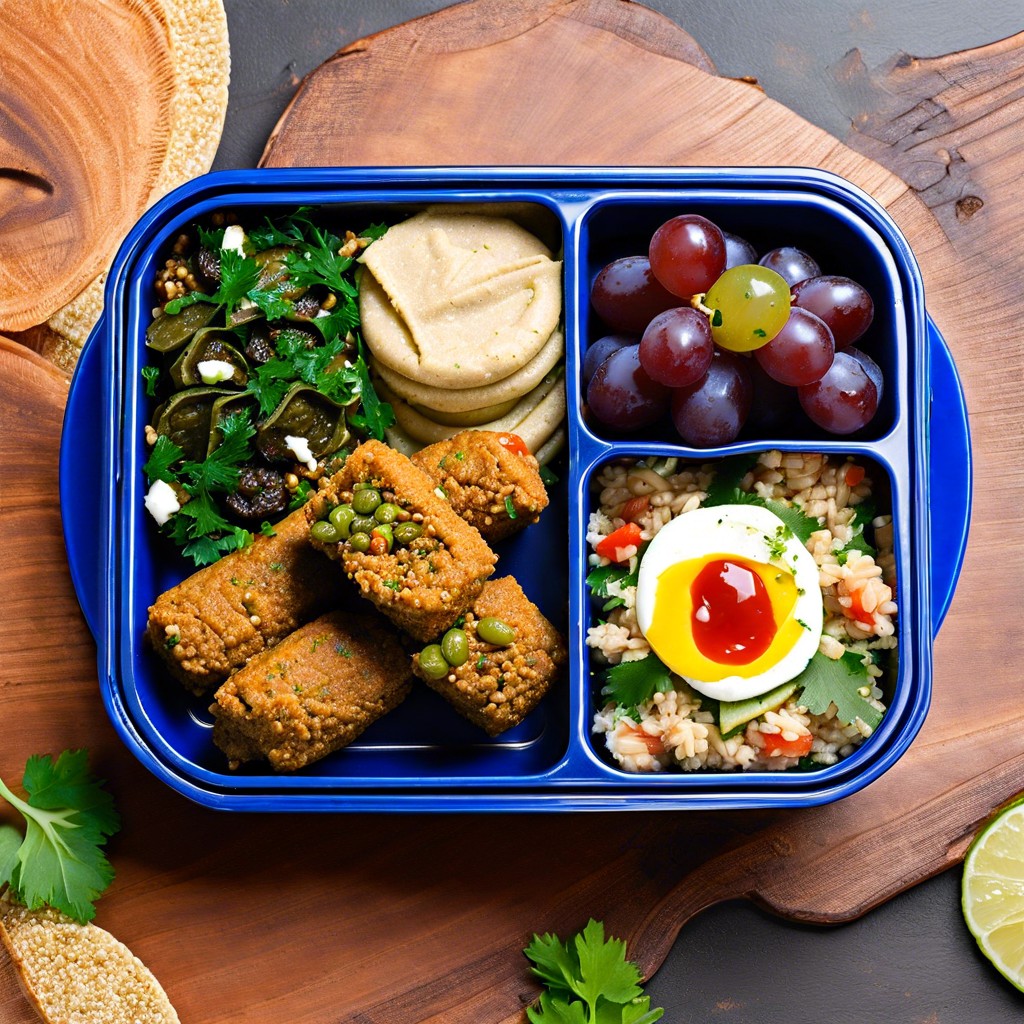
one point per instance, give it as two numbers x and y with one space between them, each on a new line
743 531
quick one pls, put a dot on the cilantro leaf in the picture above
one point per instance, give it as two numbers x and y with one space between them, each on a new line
376 416
729 473
68 816
635 682
599 578
165 454
588 980
604 969
270 382
801 525
826 681
374 232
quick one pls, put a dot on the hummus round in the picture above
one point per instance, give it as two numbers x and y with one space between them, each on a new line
458 300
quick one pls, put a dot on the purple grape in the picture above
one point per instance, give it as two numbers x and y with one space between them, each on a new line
622 395
627 296
843 304
801 352
712 411
687 254
602 349
676 348
792 264
871 368
738 251
844 400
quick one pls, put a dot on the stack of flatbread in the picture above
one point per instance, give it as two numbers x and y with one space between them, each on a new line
108 104
461 311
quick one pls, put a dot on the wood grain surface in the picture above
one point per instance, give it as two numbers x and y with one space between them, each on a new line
402 918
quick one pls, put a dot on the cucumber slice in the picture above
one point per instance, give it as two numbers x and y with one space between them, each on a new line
734 713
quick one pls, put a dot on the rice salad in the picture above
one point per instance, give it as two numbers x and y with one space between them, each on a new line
650 718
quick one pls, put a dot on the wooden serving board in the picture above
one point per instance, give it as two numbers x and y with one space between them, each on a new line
399 919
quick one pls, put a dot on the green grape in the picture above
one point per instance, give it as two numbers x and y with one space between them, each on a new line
751 304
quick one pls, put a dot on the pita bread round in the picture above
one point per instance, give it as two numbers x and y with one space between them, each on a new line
535 417
458 301
464 400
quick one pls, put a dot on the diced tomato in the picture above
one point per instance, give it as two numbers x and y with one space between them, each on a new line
854 475
615 545
857 613
514 443
775 744
653 743
635 508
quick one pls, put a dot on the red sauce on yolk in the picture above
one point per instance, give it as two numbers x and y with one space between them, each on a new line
732 618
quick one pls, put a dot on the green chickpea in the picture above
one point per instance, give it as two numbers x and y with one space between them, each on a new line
386 513
432 662
341 517
359 542
366 501
455 647
325 532
362 524
406 533
494 631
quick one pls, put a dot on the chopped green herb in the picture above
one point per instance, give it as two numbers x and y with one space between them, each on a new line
276 567
340 648
510 508
760 332
631 683
151 374
481 661
548 478
393 584
267 529
716 318
301 495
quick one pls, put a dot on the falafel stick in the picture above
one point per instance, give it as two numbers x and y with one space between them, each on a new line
312 694
212 623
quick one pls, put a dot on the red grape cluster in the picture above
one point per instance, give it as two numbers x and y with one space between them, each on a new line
702 328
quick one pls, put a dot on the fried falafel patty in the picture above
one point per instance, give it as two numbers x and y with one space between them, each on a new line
495 487
212 623
314 693
423 583
498 685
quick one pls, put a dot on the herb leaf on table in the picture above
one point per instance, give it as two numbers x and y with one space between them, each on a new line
68 817
588 980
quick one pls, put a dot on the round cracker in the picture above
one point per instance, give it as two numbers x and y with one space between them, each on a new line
457 400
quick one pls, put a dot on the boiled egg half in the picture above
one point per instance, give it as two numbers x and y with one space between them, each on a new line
728 598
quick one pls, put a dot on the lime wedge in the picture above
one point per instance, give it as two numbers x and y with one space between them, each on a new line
993 892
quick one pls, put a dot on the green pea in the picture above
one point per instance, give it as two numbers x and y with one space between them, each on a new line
341 517
386 513
365 501
406 533
325 532
494 631
362 524
455 647
359 542
432 662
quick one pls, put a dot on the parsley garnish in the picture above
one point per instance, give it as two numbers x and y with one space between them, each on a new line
587 980
631 683
68 817
301 495
760 332
239 275
267 529
600 577
826 681
151 374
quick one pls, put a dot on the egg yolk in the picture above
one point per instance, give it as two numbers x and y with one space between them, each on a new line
721 615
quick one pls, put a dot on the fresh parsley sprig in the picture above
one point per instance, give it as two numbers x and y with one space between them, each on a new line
587 980
59 862
239 276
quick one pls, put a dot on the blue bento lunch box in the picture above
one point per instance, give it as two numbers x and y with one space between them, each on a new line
423 756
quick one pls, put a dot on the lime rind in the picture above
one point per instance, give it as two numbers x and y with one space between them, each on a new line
993 892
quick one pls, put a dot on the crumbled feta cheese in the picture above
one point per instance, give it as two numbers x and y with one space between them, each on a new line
246 303
161 502
213 371
234 237
299 447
